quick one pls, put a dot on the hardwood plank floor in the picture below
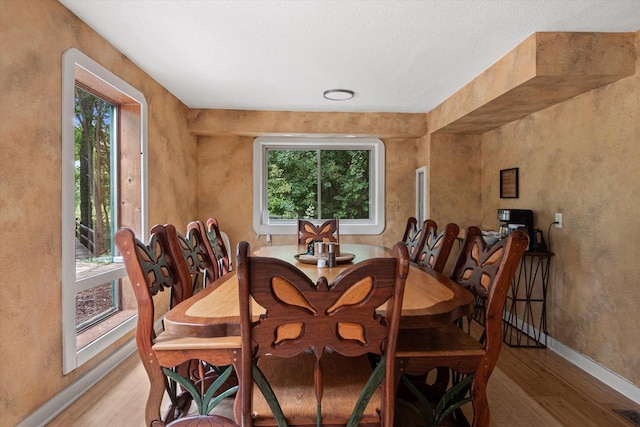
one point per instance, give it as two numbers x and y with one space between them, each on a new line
529 388
548 384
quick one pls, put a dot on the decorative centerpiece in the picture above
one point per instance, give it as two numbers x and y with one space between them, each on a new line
324 254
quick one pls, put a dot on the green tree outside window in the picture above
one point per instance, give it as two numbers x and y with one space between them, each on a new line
318 184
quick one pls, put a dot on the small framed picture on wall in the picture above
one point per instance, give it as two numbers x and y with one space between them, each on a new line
509 183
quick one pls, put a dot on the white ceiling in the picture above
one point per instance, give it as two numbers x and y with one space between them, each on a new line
398 56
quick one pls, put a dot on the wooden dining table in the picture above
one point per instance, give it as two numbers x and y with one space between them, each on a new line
430 298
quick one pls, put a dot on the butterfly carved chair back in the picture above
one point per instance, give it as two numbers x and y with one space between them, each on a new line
435 248
487 272
323 330
212 244
329 231
193 250
220 250
412 236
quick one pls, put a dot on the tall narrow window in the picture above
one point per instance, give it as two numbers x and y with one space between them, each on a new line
103 189
318 178
95 132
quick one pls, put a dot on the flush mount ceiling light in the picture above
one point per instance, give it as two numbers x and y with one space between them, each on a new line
338 94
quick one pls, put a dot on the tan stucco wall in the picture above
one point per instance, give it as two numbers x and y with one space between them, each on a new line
260 123
455 179
579 157
33 36
225 190
582 158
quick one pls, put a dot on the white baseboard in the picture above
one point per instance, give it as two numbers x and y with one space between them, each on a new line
613 380
73 391
62 400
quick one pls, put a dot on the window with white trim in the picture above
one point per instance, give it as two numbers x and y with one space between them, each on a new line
103 188
318 178
421 195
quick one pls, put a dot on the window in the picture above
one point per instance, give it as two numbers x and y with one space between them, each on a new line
421 195
103 188
318 178
94 138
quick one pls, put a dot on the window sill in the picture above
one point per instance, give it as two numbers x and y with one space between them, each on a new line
90 335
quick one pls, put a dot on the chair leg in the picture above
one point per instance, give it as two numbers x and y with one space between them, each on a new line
154 399
481 415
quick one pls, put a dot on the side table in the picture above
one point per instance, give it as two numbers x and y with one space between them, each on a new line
525 313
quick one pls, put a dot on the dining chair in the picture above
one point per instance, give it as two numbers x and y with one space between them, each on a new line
220 249
228 247
412 236
193 248
204 271
434 248
152 269
212 243
431 250
487 273
308 352
328 231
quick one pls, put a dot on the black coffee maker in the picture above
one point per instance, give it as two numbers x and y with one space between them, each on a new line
514 219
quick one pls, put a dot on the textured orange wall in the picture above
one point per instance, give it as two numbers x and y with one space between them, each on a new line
225 185
455 179
400 191
34 35
225 190
579 157
257 123
582 158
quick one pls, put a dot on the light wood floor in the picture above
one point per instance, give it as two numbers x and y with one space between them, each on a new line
530 387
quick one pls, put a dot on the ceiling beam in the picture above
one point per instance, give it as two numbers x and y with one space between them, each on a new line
544 70
265 123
